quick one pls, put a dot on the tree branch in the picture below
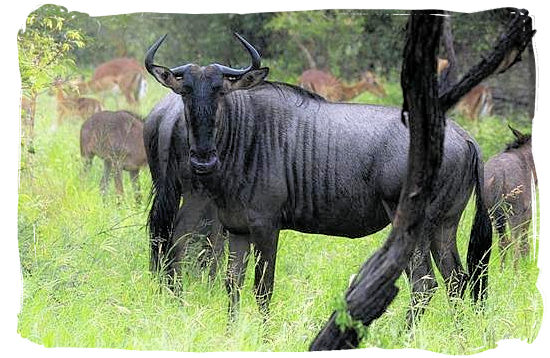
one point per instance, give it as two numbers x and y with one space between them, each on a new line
506 53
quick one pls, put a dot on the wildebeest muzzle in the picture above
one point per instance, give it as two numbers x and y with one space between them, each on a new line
203 162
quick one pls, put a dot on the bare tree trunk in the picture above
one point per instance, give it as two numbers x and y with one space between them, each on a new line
531 95
29 123
374 288
450 74
311 62
506 53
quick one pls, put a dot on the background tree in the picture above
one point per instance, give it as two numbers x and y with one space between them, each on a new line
45 52
323 39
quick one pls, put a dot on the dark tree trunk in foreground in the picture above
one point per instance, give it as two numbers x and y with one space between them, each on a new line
374 289
449 75
423 109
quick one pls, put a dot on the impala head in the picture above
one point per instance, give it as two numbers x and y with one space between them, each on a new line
202 90
373 84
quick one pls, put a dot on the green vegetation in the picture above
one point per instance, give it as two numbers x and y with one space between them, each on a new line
87 284
84 259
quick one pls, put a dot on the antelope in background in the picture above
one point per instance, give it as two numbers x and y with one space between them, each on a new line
123 74
476 103
330 87
509 180
117 138
69 105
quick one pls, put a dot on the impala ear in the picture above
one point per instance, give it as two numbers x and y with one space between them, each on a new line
250 79
517 134
166 78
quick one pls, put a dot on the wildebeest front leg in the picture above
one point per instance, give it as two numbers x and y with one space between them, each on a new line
265 251
239 248
216 242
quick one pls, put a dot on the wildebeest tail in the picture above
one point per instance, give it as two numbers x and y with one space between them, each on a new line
164 207
165 194
479 248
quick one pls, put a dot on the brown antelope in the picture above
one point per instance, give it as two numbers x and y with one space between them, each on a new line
476 103
117 138
509 180
124 74
69 105
333 89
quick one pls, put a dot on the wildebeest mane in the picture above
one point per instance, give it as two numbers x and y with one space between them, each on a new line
302 93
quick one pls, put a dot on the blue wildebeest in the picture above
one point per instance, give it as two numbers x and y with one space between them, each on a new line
507 192
195 228
274 156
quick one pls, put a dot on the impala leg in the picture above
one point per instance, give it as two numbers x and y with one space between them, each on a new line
87 161
118 180
134 177
239 248
519 224
104 184
504 240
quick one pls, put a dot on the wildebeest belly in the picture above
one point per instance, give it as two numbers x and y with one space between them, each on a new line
341 219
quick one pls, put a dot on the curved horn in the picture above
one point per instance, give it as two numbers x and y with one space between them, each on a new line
150 56
256 60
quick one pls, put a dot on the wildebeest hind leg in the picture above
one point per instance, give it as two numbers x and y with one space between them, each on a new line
239 248
447 259
421 278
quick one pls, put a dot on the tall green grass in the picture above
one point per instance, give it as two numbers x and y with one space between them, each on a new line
86 281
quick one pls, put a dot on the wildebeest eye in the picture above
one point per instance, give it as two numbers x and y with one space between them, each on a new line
218 89
186 89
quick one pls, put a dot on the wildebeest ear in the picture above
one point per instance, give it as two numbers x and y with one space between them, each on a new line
166 78
249 79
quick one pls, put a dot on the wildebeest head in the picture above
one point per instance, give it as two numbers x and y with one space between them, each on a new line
202 90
